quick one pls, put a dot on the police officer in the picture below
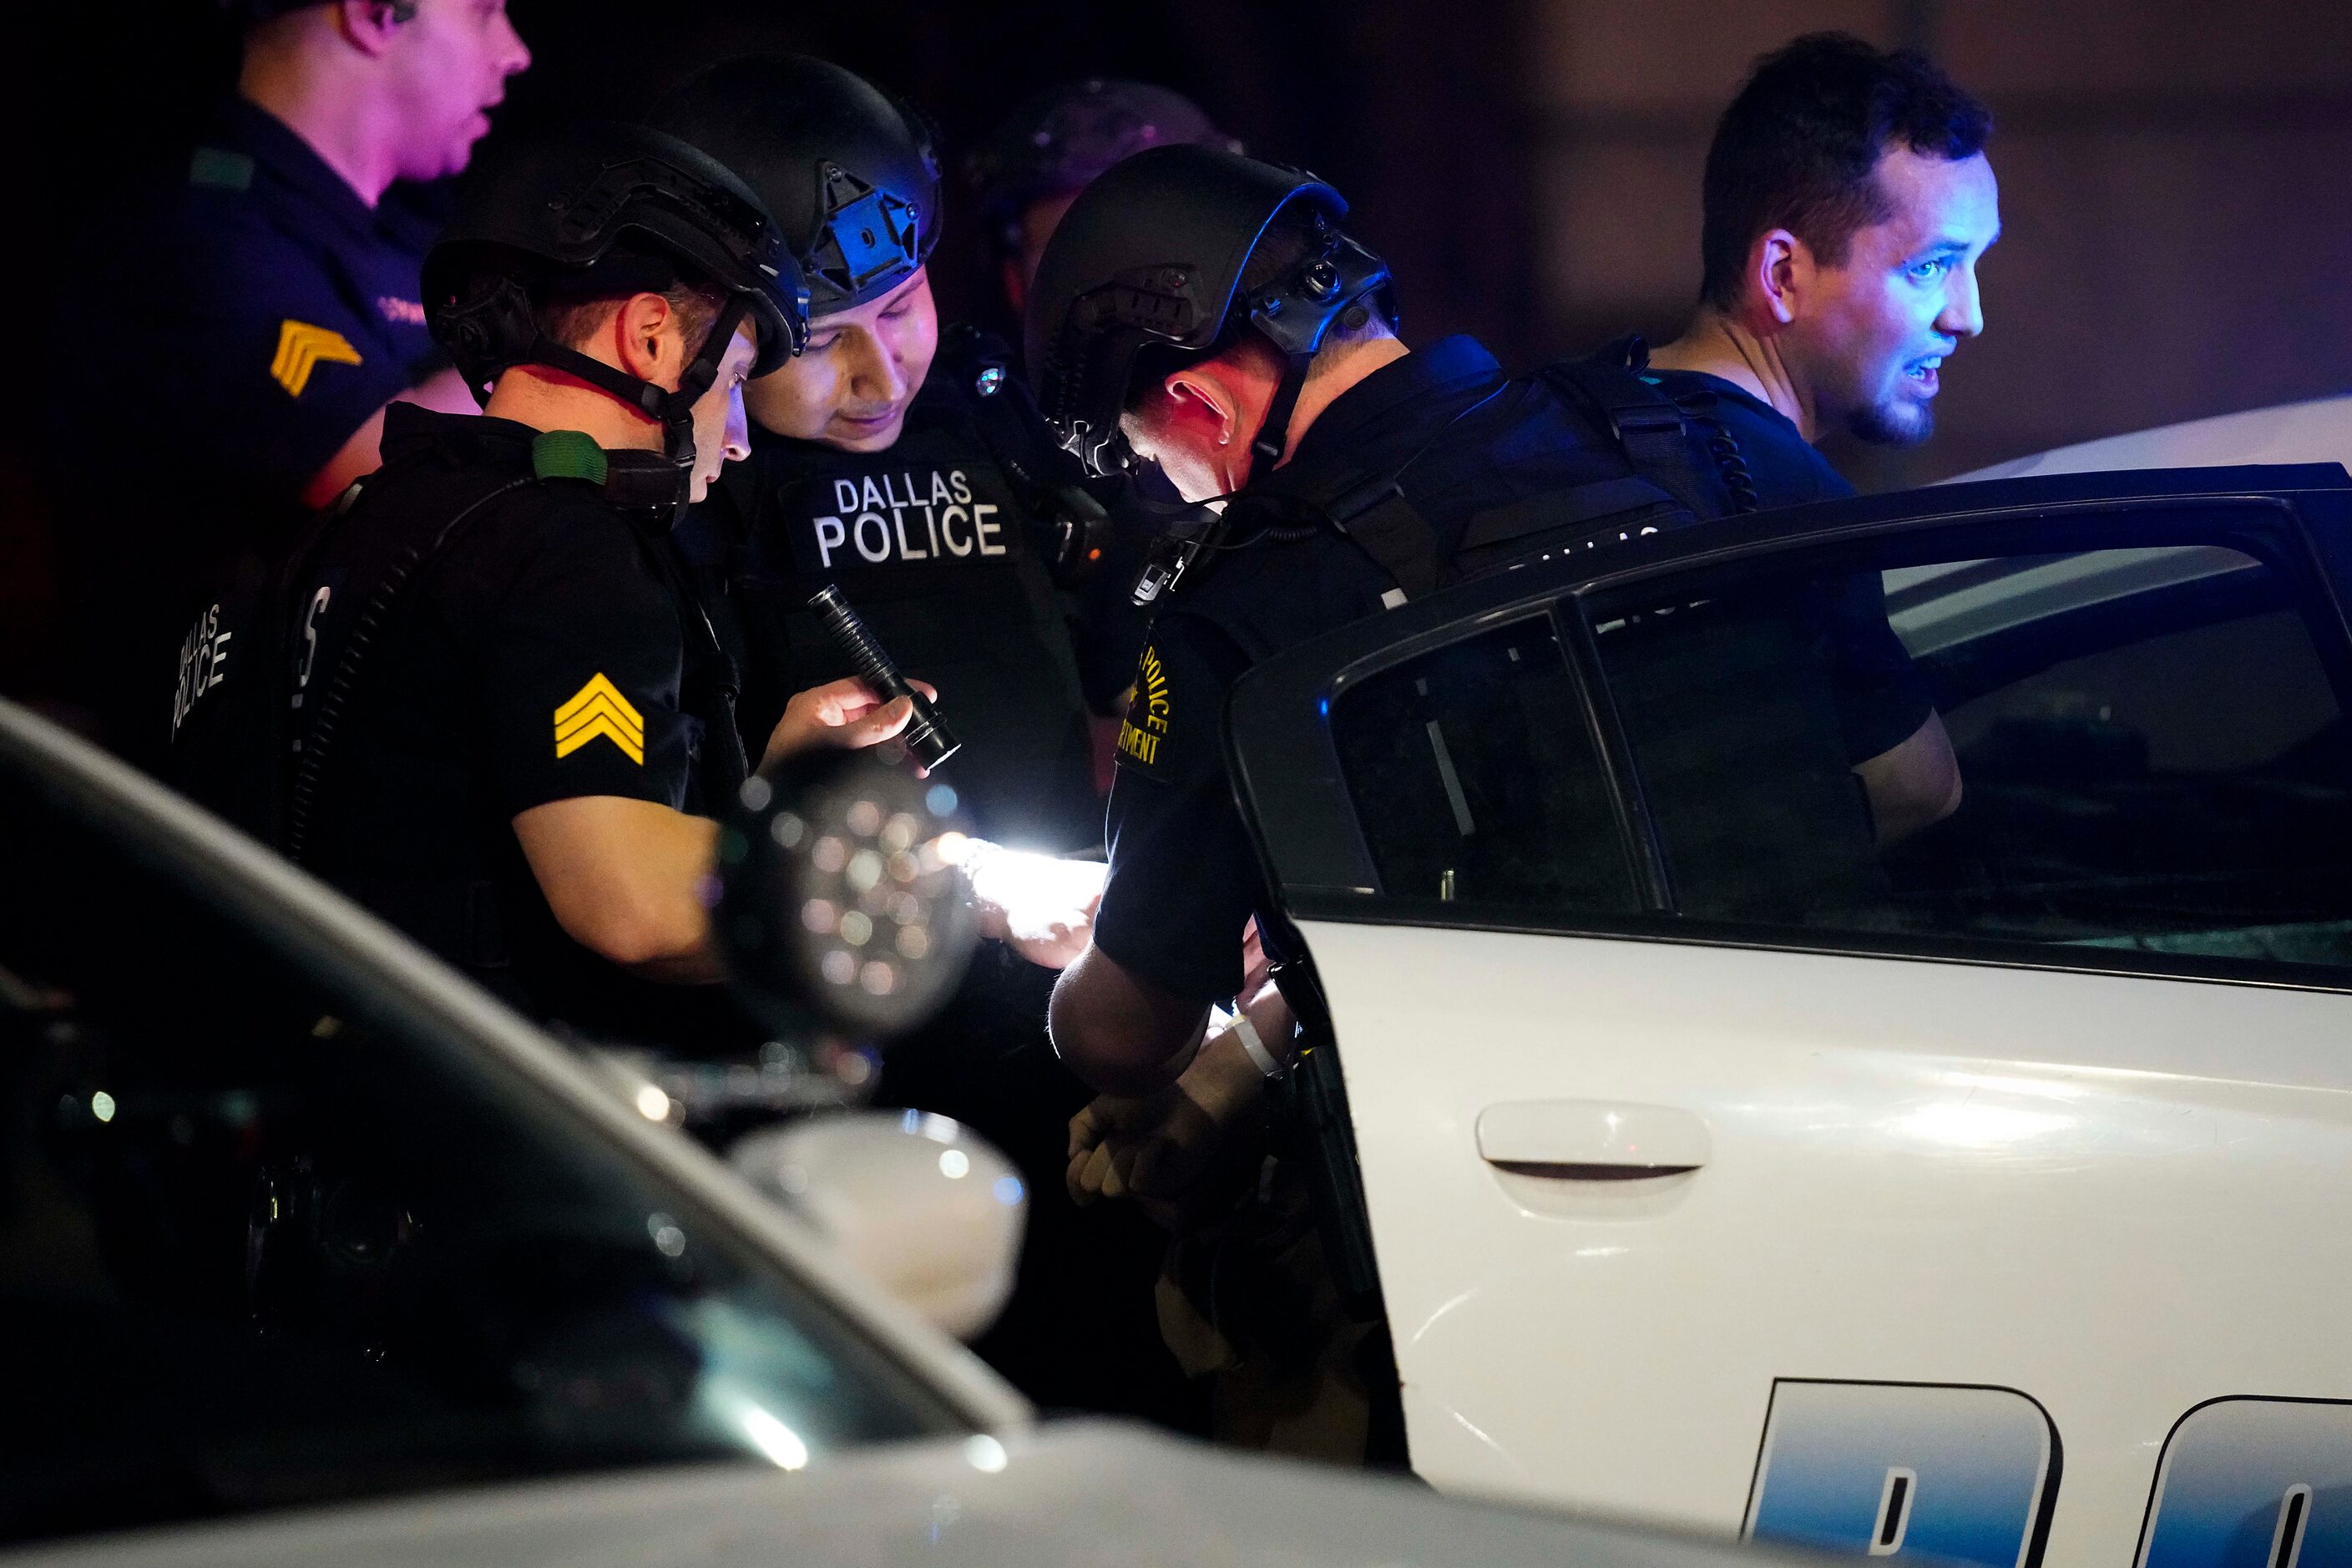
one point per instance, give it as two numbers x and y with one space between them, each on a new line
909 468
1206 312
890 459
509 715
258 312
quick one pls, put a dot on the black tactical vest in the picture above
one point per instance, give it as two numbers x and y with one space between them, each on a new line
932 545
277 674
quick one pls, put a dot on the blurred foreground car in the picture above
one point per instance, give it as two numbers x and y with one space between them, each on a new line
1977 1196
291 1215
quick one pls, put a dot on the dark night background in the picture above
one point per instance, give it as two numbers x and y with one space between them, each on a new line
2178 233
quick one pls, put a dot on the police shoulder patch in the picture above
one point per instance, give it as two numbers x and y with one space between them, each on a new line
301 347
599 708
1144 732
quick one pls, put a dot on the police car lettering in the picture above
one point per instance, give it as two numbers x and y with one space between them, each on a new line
2257 1482
908 516
1961 1473
204 663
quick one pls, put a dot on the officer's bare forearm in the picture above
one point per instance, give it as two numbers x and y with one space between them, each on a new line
623 878
1119 1032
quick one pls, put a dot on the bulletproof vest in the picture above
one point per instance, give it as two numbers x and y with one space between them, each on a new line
932 545
1684 469
229 736
1682 466
276 671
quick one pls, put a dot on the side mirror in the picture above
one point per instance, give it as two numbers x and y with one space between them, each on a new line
929 1210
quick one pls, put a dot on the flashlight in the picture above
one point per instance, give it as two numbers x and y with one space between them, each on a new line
929 741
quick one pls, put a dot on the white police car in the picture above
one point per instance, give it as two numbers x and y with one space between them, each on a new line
1978 1196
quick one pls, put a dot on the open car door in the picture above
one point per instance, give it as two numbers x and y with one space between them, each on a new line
1759 1128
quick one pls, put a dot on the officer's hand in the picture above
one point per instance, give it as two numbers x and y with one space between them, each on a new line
1159 1148
843 713
1152 1149
1044 908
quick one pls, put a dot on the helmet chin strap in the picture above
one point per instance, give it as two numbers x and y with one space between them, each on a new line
673 407
1274 432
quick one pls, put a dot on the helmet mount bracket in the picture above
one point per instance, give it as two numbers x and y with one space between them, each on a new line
1296 313
870 235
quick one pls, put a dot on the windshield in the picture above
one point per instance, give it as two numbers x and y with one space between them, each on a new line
260 1245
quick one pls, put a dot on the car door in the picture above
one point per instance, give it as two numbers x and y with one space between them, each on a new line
1739 1152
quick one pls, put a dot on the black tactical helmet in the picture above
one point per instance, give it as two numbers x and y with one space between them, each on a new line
1062 139
606 208
1153 254
848 170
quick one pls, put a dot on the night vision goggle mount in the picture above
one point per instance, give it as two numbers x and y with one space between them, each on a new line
1297 310
868 233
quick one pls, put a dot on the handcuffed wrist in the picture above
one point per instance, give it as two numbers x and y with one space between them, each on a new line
1253 1047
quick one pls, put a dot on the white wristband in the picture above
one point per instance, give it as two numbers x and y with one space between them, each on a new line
1258 1055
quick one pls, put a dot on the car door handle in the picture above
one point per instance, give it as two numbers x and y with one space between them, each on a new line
1592 1139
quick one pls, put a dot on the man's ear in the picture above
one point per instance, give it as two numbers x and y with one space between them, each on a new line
646 341
1780 269
1204 400
370 25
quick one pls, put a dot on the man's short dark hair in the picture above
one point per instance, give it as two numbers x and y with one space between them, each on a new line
1798 148
571 321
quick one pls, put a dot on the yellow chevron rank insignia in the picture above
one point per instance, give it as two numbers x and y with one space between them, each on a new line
300 348
599 708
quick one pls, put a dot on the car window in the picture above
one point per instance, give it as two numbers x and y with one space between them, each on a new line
1476 777
257 1247
2151 751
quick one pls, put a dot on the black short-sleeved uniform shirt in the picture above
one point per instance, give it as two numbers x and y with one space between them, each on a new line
1184 877
543 655
929 543
247 312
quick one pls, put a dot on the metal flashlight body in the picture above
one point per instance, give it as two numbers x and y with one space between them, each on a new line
929 741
